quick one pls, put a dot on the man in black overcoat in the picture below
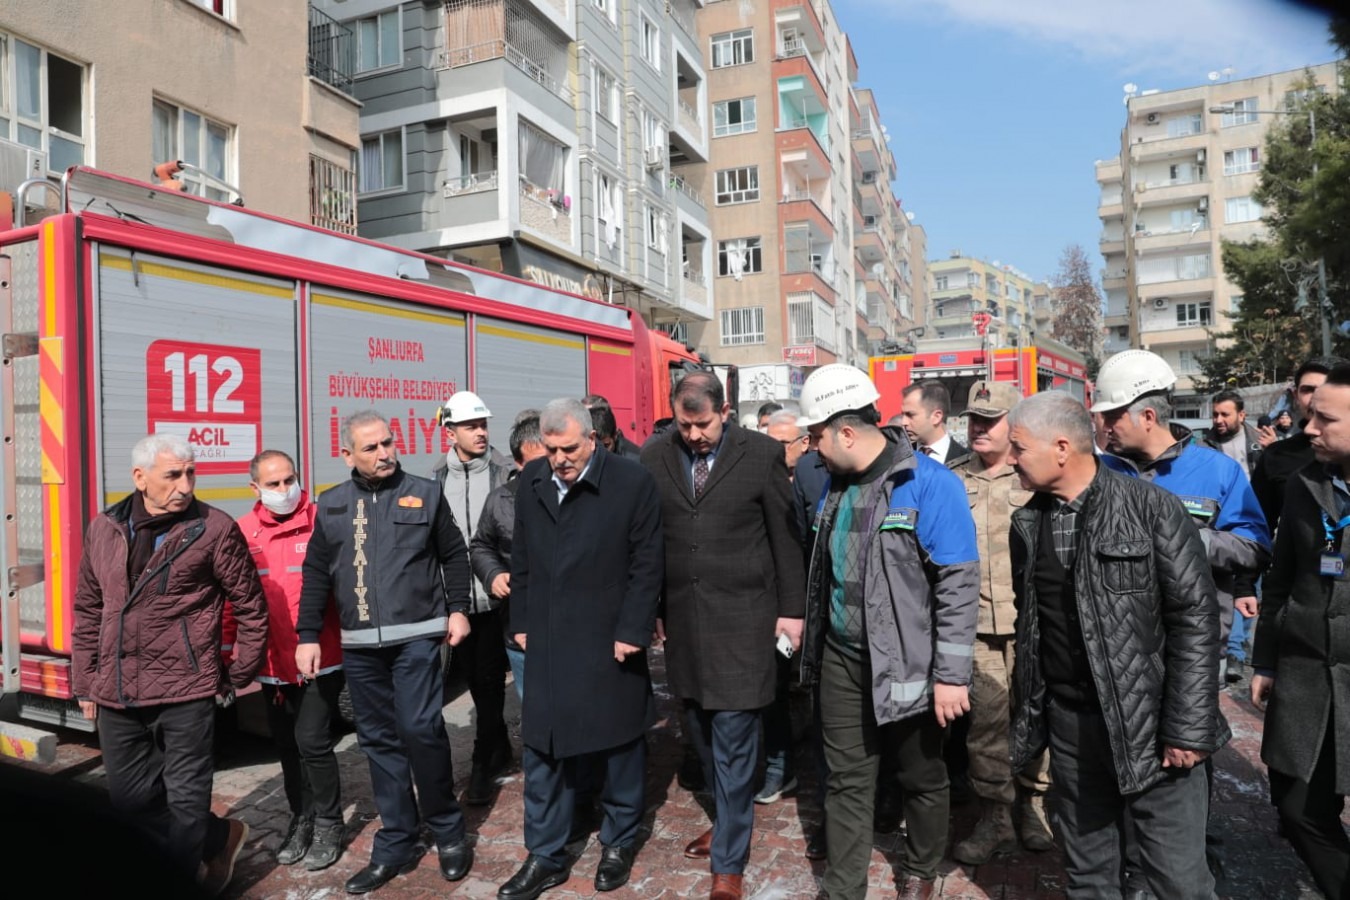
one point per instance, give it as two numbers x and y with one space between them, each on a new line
586 570
734 585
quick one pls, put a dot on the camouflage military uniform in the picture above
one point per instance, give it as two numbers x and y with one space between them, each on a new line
992 501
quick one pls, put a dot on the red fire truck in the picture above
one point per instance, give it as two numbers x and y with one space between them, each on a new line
136 310
1046 366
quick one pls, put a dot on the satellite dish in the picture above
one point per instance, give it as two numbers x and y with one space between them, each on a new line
1131 88
1214 76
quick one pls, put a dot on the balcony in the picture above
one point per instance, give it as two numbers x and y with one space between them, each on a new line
1178 287
1111 242
799 17
810 321
1168 238
536 71
1113 279
799 148
1166 192
332 196
801 206
1164 147
332 50
543 211
687 199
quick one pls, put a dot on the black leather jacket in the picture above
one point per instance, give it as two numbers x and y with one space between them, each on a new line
1149 613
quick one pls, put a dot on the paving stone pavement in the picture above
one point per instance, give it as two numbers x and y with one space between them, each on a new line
1257 864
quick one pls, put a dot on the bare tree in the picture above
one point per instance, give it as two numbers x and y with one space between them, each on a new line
1077 304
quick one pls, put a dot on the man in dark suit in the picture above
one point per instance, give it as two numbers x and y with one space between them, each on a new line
1298 668
586 569
924 407
734 586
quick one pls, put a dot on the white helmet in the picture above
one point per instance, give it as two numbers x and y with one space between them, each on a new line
1129 375
463 406
833 389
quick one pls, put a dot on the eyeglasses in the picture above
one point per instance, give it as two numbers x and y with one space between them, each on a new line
789 443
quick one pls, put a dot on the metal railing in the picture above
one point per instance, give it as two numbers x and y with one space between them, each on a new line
678 183
470 184
500 49
332 50
332 196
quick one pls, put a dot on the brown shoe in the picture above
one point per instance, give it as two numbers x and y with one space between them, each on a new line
727 887
700 847
915 888
215 873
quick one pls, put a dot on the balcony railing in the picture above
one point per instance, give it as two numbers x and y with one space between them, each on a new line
332 50
500 49
470 184
689 118
332 196
678 183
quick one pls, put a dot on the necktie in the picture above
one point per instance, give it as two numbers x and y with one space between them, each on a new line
928 451
700 473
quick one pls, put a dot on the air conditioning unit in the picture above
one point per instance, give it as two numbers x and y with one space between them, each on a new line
1160 303
1152 118
1200 156
653 157
1203 204
20 163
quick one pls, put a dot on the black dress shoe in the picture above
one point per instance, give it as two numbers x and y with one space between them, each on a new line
535 877
616 864
456 860
376 876
816 848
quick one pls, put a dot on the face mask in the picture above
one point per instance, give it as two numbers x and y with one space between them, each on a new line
282 503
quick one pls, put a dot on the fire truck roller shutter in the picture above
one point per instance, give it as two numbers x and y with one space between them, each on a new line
203 352
398 358
523 367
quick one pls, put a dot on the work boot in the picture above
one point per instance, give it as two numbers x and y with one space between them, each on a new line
299 835
993 836
1036 833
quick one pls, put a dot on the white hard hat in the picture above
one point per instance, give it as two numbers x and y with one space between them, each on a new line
463 406
833 389
1129 375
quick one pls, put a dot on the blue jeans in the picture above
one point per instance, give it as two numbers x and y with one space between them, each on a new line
517 660
1237 636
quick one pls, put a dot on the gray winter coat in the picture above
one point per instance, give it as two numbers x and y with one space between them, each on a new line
499 470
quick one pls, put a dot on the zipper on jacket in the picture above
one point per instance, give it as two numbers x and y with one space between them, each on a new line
187 645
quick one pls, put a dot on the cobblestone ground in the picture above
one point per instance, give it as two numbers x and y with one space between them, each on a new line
1258 865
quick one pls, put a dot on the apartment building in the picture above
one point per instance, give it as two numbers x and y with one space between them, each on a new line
1181 185
547 139
780 184
83 84
964 287
887 272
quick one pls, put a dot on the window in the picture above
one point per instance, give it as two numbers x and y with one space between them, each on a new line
608 7
543 161
1241 209
733 48
1242 160
1235 304
180 133
743 326
741 256
654 228
1294 99
1191 314
1244 112
737 185
651 43
653 132
379 42
606 95
382 162
332 195
609 209
972 280
1188 361
941 281
1181 126
42 102
733 117
219 7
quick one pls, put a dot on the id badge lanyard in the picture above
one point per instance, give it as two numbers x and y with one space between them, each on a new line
1331 563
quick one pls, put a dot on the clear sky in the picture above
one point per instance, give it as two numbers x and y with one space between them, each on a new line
997 109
